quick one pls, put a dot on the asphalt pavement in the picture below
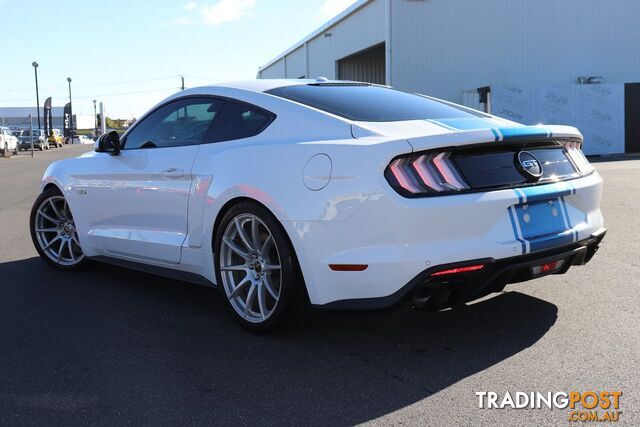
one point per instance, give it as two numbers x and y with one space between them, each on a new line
110 346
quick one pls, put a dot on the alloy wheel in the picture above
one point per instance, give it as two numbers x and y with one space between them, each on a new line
250 268
56 233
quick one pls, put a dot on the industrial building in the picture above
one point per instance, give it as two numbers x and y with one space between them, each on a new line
572 62
18 118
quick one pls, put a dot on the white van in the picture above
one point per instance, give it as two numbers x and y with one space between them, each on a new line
8 142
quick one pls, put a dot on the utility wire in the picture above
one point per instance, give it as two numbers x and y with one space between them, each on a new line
104 95
97 84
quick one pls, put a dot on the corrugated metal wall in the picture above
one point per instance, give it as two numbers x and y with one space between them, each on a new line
367 66
443 47
274 71
355 33
447 48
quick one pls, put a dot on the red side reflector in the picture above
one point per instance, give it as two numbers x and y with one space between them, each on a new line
549 266
458 270
348 267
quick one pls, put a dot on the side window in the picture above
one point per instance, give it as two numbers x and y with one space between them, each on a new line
182 122
237 121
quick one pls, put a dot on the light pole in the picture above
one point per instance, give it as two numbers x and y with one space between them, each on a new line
95 120
70 111
35 69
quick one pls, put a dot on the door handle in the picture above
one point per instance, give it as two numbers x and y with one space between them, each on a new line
173 173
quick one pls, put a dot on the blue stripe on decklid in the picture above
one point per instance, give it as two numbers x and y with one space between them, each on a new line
496 127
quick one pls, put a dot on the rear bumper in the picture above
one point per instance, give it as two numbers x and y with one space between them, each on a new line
398 238
445 291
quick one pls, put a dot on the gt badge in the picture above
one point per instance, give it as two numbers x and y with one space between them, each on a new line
529 166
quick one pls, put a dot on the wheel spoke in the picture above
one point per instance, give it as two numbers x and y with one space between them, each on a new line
239 287
249 302
234 267
269 289
243 236
255 235
47 230
73 258
47 217
65 210
48 245
236 249
267 245
261 302
56 211
271 267
60 251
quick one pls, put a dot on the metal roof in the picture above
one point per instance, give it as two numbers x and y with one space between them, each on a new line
342 15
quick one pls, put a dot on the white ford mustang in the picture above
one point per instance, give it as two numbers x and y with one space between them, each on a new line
341 194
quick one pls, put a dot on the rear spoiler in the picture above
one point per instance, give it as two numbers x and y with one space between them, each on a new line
501 136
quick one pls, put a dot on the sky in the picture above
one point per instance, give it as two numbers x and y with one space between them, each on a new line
130 54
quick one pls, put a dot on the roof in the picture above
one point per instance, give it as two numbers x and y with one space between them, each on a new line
342 15
264 85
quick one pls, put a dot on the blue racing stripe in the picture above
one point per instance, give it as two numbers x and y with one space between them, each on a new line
524 132
548 242
515 231
546 192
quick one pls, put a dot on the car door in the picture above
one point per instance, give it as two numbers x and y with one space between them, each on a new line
135 204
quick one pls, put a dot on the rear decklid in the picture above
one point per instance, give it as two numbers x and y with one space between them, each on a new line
430 134
478 154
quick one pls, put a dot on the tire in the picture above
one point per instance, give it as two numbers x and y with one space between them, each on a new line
5 150
53 232
274 294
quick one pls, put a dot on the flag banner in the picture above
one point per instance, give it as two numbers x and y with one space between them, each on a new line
67 120
48 126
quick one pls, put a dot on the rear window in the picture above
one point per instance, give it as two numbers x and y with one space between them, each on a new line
369 103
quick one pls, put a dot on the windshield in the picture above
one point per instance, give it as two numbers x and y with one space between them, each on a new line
367 103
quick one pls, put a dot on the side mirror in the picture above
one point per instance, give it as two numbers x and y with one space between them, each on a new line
109 143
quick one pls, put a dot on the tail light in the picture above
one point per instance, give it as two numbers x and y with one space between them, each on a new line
578 158
424 174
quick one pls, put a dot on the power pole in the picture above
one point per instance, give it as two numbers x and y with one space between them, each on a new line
182 78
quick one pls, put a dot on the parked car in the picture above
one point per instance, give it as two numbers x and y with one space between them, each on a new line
40 140
341 194
82 139
8 142
56 138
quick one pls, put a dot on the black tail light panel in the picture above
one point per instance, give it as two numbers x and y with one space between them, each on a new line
461 170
